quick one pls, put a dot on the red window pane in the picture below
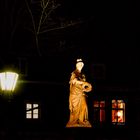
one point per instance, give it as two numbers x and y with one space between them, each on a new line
121 105
120 115
114 104
114 115
102 104
102 115
96 104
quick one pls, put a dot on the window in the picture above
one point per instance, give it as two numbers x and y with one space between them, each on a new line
99 111
118 112
32 111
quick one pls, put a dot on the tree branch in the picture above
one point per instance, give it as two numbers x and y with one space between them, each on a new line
44 8
34 27
61 27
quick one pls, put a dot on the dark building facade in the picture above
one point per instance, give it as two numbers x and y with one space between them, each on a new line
39 107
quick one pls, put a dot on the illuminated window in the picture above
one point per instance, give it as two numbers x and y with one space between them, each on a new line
118 112
99 111
32 111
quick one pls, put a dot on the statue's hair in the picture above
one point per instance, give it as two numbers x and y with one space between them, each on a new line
79 60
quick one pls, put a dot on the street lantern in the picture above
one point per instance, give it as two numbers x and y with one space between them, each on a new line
8 80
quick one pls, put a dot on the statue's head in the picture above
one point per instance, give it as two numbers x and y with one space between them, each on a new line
79 64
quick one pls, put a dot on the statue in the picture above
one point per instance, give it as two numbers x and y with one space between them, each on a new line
77 98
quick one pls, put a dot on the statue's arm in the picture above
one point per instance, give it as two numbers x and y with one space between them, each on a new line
74 79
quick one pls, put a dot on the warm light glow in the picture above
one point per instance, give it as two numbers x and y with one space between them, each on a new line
32 111
35 105
119 114
29 115
28 106
118 111
8 80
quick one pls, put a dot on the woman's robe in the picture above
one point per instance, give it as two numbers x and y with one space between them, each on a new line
77 100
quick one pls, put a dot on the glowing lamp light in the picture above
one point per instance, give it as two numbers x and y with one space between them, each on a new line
8 80
119 114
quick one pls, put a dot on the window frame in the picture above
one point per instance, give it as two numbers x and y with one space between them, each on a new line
31 110
98 109
118 109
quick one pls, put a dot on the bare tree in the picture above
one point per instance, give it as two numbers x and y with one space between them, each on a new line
40 11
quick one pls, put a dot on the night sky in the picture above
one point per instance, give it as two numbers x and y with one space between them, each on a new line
100 32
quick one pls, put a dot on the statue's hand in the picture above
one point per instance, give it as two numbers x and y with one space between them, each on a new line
87 87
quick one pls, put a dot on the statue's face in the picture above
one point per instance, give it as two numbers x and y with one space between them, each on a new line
79 66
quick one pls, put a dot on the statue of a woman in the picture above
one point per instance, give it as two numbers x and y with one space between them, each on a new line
77 98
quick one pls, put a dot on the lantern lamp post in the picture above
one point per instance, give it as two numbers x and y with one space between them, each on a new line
8 81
